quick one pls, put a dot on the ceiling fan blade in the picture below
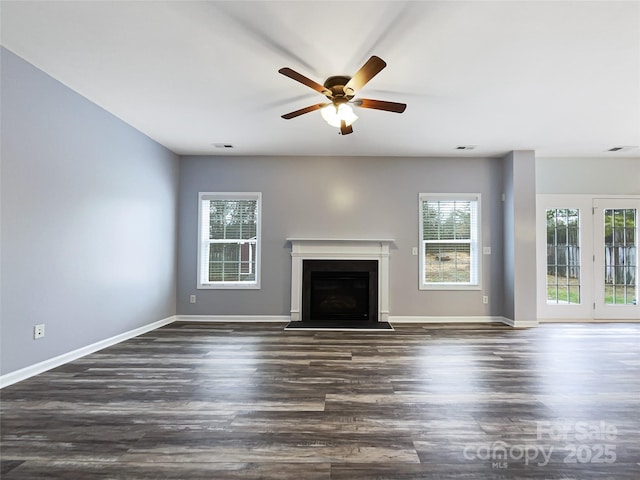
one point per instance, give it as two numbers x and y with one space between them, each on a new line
298 77
302 111
370 69
380 105
344 128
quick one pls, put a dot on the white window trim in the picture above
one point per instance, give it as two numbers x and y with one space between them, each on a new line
475 243
202 246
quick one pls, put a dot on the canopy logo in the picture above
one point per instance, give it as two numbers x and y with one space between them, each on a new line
578 442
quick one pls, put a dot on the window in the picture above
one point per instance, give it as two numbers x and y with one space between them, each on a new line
449 241
229 251
563 256
620 257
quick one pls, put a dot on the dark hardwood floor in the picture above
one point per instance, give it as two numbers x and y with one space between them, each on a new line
251 401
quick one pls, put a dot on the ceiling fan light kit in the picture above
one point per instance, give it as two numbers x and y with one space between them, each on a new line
341 90
335 114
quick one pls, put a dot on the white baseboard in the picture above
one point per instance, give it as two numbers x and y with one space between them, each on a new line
233 318
41 367
443 319
520 323
392 319
587 320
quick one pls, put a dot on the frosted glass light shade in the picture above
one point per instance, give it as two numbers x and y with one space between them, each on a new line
333 115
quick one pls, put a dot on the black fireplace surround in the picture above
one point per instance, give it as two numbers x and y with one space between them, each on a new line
339 290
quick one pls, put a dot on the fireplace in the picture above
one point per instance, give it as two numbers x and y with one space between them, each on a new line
342 259
339 290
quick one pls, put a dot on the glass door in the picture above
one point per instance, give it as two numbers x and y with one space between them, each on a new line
565 266
616 259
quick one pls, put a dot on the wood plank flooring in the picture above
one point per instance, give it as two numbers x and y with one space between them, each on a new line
251 401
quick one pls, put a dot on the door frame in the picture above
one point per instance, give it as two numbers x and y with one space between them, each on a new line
600 309
585 311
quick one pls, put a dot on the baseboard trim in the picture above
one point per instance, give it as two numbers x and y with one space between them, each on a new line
520 323
443 319
287 318
587 320
233 318
41 367
392 319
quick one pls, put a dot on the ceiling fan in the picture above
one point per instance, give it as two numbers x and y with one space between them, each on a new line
340 90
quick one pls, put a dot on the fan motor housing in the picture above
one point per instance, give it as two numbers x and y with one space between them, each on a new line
336 85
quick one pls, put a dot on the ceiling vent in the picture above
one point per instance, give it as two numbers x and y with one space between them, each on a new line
466 147
223 145
622 149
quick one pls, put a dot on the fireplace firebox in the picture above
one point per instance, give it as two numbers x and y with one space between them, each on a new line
339 290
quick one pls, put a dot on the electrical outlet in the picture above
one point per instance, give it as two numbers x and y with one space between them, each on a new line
38 331
414 251
485 299
192 299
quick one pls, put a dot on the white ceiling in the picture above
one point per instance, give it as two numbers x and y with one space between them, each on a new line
559 77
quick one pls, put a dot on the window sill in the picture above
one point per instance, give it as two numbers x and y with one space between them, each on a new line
445 286
228 286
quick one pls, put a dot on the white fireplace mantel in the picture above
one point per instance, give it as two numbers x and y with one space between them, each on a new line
340 249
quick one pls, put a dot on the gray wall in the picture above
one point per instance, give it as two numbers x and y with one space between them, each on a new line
590 176
520 237
340 197
88 220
